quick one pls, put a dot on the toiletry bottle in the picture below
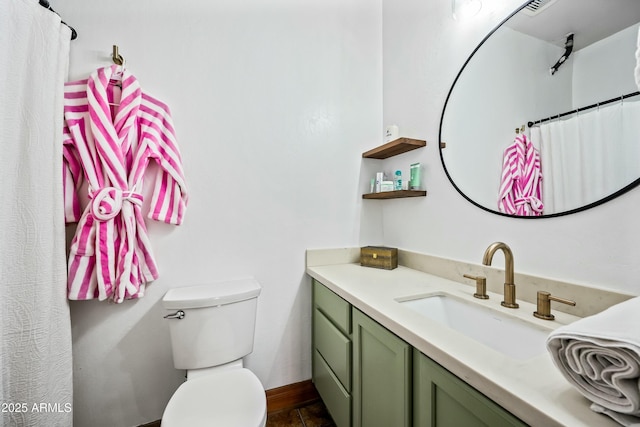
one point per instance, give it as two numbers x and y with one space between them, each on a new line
414 181
391 133
398 181
379 179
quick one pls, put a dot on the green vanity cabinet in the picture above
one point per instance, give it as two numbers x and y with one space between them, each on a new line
364 382
381 375
369 377
440 399
332 352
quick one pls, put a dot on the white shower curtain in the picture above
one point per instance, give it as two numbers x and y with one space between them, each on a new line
588 156
35 330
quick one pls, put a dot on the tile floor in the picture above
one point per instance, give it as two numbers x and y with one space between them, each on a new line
312 415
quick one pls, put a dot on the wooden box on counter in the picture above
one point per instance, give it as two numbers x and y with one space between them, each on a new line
379 257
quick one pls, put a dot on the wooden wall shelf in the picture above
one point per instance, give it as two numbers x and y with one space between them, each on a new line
393 148
399 194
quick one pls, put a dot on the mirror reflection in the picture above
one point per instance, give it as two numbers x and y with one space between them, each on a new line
544 117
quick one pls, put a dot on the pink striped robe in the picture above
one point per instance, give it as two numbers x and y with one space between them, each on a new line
107 149
521 183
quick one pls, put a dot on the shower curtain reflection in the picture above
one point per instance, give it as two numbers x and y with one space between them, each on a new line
588 156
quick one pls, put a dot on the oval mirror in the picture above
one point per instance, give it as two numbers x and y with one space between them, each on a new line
544 119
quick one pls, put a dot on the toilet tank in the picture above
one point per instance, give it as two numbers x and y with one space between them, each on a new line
218 324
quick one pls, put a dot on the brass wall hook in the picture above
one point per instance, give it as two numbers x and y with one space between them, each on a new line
117 58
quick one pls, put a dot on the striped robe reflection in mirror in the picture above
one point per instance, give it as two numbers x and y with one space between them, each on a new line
521 183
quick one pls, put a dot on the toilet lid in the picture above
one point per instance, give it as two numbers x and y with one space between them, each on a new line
233 398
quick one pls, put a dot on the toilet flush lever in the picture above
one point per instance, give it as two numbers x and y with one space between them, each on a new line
177 315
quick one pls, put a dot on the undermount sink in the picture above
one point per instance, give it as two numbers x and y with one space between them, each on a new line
507 334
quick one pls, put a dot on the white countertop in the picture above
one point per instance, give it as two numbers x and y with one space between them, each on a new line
533 389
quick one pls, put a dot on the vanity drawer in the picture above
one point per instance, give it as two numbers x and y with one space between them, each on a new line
334 396
332 306
334 347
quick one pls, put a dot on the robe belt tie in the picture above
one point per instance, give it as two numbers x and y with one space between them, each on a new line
114 279
534 202
107 202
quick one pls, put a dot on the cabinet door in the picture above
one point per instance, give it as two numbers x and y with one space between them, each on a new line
381 388
443 400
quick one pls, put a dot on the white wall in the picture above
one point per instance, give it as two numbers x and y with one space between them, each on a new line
273 103
604 69
423 51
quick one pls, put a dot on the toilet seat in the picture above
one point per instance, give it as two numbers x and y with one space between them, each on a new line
233 398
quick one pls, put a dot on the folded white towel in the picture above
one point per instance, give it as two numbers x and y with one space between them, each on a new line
622 419
600 356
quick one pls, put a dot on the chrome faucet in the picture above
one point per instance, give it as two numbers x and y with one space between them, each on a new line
509 287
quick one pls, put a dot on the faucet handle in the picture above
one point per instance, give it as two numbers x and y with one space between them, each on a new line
544 305
481 286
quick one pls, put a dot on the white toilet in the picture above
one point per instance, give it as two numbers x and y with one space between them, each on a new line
212 329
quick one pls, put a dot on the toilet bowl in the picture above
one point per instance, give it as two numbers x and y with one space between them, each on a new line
233 398
212 328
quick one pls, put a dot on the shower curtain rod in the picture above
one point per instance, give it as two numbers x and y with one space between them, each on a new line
46 5
608 101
